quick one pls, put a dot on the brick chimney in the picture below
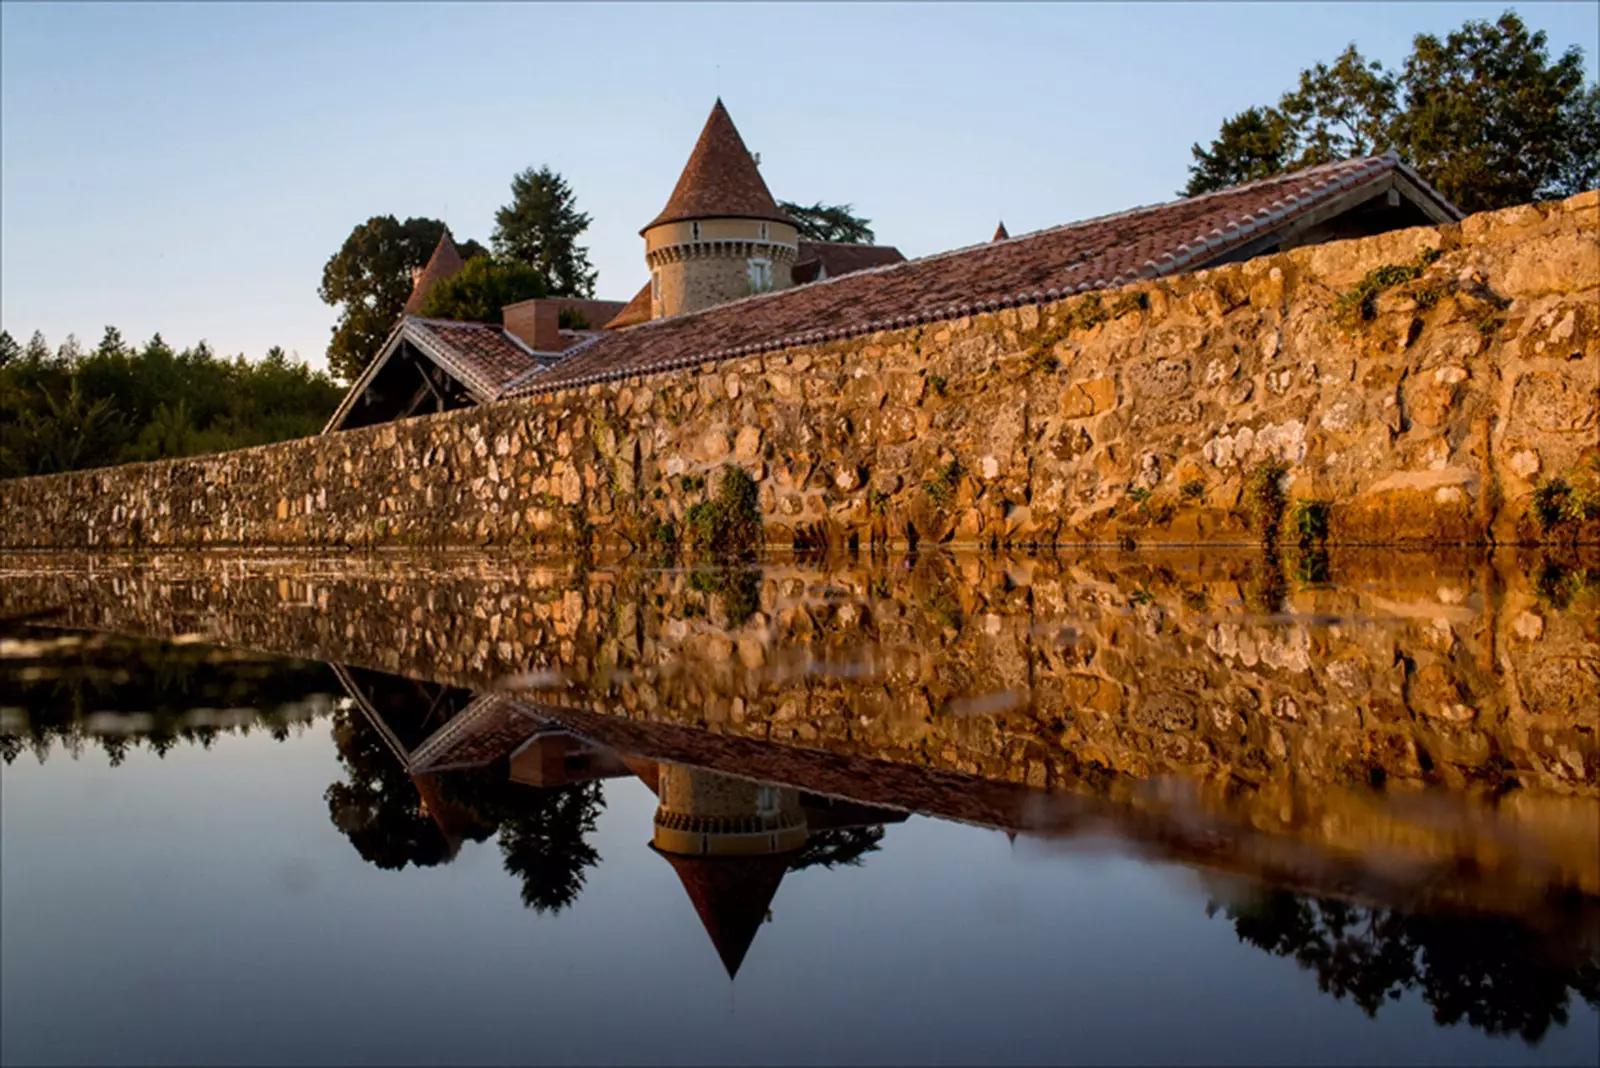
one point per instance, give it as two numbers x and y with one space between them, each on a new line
536 322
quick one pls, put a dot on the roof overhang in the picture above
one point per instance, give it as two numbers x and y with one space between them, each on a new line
408 329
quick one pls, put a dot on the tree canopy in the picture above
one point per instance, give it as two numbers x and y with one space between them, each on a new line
829 222
1485 115
482 288
369 281
69 409
540 228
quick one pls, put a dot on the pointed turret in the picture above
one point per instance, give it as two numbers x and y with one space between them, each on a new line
731 896
1000 232
721 180
721 236
444 263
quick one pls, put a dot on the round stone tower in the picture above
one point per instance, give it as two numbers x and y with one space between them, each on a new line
721 236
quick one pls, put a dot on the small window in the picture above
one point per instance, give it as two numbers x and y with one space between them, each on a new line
655 286
694 231
767 801
765 231
760 275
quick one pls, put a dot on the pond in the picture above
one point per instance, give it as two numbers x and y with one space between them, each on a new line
1119 807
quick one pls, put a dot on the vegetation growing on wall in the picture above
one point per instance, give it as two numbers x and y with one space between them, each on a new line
730 522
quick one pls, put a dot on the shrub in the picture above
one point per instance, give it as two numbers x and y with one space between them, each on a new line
730 522
1264 500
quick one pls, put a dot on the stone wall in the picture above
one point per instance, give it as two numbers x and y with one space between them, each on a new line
1426 412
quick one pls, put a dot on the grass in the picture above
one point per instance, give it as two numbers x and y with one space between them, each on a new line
1309 521
1561 503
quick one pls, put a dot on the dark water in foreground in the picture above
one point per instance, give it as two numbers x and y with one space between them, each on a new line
1127 809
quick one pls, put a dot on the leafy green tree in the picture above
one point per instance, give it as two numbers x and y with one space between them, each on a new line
544 843
1485 115
540 228
9 349
1491 122
1255 143
482 288
829 222
369 281
67 409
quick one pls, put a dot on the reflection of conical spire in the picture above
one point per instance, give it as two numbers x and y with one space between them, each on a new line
444 263
720 179
732 896
1000 232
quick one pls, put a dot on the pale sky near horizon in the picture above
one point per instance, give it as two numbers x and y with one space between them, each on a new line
188 168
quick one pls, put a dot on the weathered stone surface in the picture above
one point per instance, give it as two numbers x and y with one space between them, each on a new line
1050 414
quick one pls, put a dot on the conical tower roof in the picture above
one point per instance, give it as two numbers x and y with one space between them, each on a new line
1000 232
720 180
444 263
732 895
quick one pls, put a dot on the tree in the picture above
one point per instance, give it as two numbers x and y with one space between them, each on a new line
1491 122
482 288
540 228
1253 144
9 349
829 222
369 280
1484 115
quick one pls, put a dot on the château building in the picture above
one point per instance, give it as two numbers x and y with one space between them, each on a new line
730 276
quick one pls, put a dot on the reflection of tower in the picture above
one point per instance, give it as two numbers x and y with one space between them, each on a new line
730 841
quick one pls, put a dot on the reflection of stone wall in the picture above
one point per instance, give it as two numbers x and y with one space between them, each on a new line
1101 672
1139 414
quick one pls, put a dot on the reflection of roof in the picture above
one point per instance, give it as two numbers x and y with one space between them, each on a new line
444 263
1150 242
830 259
635 311
487 729
720 180
732 895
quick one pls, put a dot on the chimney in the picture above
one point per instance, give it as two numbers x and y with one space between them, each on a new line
536 323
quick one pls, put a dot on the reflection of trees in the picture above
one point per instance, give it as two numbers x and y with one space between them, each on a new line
543 843
170 688
378 807
1496 973
836 846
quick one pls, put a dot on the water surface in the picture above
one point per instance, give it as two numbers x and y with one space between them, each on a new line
1124 808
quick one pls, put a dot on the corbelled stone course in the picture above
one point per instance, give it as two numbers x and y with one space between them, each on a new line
1421 411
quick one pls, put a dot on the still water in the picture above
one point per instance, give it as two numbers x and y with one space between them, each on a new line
1136 808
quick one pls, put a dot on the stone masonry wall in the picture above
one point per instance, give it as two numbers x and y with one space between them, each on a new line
1425 414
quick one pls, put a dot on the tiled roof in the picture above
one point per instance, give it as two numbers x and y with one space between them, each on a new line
1148 242
483 357
444 263
720 180
1000 232
731 895
835 258
634 312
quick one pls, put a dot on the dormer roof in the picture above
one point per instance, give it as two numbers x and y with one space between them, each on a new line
444 263
720 180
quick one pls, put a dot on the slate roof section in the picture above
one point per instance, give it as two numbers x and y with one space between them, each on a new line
720 180
444 263
817 260
1149 242
634 312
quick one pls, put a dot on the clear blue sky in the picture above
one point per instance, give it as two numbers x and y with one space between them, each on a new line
189 168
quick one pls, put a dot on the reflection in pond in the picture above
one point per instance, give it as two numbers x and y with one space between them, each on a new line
1389 777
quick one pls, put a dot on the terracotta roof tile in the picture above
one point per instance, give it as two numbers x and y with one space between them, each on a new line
1000 232
720 179
731 896
633 313
478 354
835 258
444 263
1035 268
